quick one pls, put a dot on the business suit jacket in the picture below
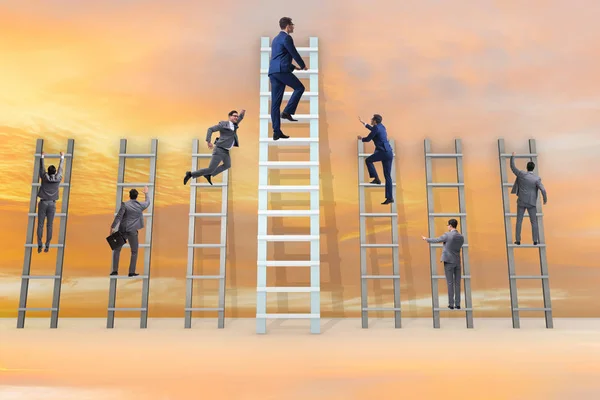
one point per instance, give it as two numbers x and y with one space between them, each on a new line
378 135
50 183
227 137
130 217
453 242
526 186
282 53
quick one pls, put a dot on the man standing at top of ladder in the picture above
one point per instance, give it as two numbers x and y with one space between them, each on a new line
281 75
453 242
383 152
129 220
226 141
526 188
48 195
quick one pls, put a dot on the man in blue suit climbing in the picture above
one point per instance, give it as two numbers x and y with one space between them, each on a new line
383 152
281 75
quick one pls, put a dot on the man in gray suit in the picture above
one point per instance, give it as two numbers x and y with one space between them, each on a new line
48 194
453 242
226 141
526 188
129 220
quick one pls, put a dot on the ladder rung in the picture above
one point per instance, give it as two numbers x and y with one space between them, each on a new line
364 155
303 141
380 277
208 184
288 164
56 215
379 245
202 155
288 238
288 213
372 185
288 316
285 263
144 214
446 185
524 155
141 246
301 50
378 214
297 71
529 277
126 155
443 155
40 277
134 184
381 309
287 95
448 309
299 117
204 277
438 245
52 155
206 245
515 214
532 309
59 185
527 246
448 215
444 276
207 214
506 184
128 277
126 309
204 309
288 289
290 189
37 308
52 246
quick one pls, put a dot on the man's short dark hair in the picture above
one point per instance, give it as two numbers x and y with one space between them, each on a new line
133 194
530 166
284 22
51 170
377 118
453 223
232 112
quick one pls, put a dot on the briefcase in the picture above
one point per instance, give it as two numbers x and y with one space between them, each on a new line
117 239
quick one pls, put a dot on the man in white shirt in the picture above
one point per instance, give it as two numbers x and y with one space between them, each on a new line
226 141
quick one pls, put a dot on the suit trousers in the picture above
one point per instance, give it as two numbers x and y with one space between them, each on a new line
219 155
532 212
279 81
46 210
452 272
386 158
132 238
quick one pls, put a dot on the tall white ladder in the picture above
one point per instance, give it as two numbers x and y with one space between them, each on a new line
462 214
147 246
192 245
264 188
363 215
510 246
62 234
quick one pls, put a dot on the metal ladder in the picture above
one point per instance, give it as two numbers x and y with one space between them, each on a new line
264 188
363 215
510 246
62 233
147 246
433 259
192 245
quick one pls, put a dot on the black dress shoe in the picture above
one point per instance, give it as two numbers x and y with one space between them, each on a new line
388 201
451 307
457 307
376 182
279 135
535 243
39 248
114 273
518 243
287 116
134 274
208 179
47 248
188 176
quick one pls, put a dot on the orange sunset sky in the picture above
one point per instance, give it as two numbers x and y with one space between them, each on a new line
101 71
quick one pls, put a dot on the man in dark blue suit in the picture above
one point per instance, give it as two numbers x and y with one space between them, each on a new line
281 75
383 152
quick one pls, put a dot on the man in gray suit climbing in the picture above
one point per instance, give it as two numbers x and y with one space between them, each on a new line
226 141
128 221
48 194
526 188
453 242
